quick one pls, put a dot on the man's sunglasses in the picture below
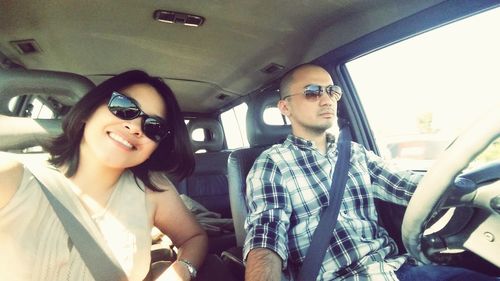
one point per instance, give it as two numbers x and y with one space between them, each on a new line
314 92
126 108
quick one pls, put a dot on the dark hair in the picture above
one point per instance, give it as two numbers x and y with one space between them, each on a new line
173 156
288 77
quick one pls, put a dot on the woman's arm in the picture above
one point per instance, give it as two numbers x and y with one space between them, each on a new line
11 175
177 222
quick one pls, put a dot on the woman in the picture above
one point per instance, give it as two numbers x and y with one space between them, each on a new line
121 143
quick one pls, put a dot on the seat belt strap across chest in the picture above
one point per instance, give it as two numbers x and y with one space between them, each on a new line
323 233
97 261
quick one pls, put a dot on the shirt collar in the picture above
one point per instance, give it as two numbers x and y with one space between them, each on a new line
307 144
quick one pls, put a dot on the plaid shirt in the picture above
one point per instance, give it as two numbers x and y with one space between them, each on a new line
287 189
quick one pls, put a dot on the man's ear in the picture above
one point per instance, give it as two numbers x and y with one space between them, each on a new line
283 107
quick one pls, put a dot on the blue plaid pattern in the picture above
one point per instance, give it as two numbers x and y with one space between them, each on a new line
287 188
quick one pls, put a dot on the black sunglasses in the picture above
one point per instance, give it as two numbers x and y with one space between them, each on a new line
126 108
313 92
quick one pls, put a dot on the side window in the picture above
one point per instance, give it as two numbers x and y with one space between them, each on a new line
13 104
198 134
420 94
234 124
39 110
273 116
31 106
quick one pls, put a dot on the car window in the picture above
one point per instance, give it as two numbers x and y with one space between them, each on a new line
419 94
234 125
32 106
40 110
273 116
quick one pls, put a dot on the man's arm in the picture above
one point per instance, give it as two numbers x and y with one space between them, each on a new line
390 182
267 222
263 265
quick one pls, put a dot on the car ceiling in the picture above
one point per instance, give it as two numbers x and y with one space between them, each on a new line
208 67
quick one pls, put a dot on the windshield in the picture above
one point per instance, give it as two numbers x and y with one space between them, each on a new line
420 94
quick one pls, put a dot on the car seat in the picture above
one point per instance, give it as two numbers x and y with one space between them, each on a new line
260 137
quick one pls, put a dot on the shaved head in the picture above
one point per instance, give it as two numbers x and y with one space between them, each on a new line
287 79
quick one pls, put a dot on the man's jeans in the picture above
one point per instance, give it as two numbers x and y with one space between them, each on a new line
409 272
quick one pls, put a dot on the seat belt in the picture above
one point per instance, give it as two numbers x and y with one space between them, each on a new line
97 261
323 233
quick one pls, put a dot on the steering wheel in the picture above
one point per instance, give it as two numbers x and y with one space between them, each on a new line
481 235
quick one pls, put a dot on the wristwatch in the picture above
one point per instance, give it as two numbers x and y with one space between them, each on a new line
190 267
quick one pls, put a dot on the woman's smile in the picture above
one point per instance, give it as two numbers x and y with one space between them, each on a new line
121 141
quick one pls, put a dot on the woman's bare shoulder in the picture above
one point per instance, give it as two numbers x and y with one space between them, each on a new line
163 183
11 175
168 191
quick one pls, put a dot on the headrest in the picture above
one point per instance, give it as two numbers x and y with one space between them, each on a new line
67 88
214 134
259 133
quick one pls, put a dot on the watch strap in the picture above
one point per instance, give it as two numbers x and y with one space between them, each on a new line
190 267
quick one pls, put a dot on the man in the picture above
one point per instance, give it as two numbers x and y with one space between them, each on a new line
288 186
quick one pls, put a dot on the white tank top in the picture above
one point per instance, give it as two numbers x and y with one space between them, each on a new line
35 246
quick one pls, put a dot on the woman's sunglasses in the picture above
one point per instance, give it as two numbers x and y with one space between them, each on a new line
314 92
126 108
